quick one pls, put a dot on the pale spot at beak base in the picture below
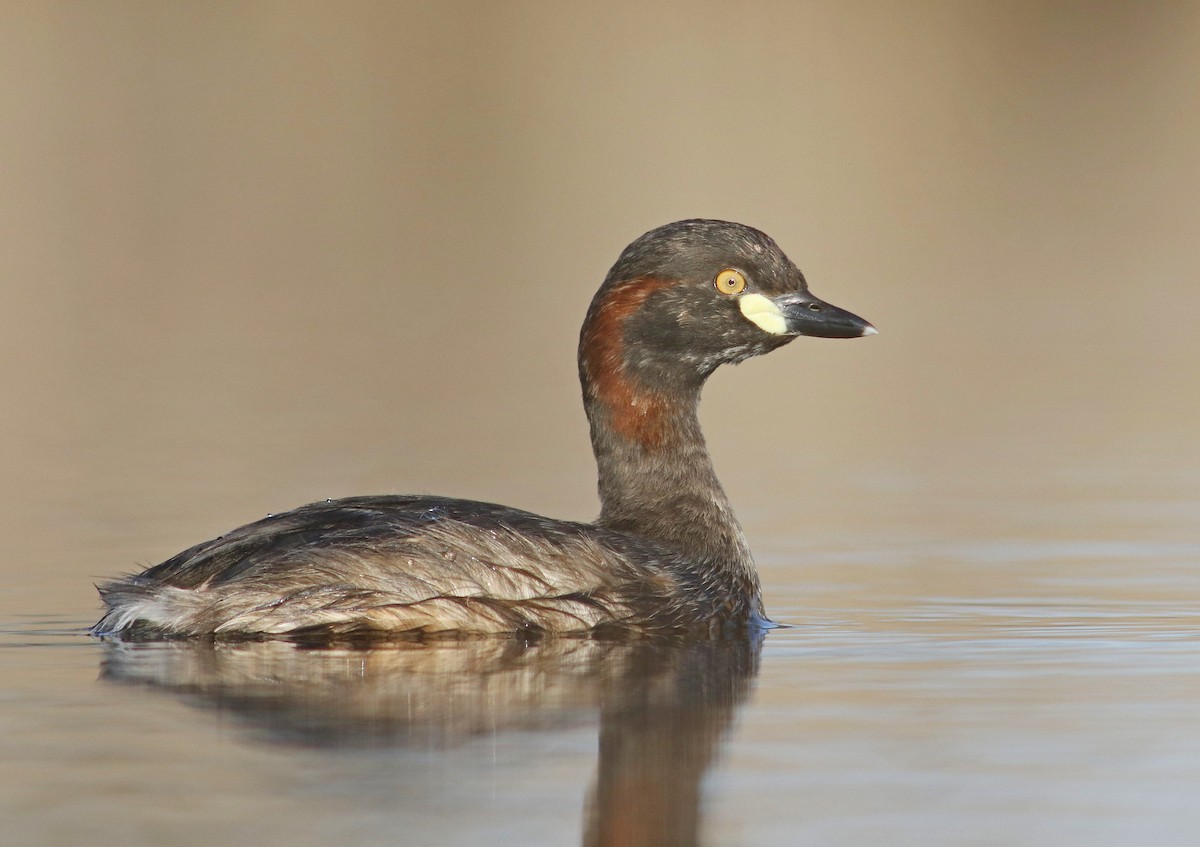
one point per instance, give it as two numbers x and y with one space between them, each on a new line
763 313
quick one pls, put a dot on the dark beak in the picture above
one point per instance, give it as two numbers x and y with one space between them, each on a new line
808 315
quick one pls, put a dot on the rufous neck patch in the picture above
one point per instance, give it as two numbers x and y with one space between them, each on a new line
635 412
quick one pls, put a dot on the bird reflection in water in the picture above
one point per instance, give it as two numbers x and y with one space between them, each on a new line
664 705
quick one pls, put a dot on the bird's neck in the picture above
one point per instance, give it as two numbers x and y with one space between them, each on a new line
656 478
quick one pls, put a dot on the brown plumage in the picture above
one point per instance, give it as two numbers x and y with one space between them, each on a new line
666 554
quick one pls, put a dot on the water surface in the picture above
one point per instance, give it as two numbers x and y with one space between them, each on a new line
1007 669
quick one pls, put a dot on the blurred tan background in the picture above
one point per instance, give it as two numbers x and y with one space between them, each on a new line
254 254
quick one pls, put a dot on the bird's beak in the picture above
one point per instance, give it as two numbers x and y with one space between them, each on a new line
799 313
805 314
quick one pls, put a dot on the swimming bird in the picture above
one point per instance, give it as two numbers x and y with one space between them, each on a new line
665 555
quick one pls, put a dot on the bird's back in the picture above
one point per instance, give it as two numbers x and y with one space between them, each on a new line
407 563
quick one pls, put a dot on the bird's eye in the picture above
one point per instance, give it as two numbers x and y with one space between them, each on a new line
731 282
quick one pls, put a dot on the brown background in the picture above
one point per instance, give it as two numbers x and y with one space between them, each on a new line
253 254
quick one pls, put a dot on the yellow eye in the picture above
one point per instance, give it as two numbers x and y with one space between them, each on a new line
731 282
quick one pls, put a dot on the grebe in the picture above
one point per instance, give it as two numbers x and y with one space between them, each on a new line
665 555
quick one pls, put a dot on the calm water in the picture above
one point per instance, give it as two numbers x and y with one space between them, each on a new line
967 663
